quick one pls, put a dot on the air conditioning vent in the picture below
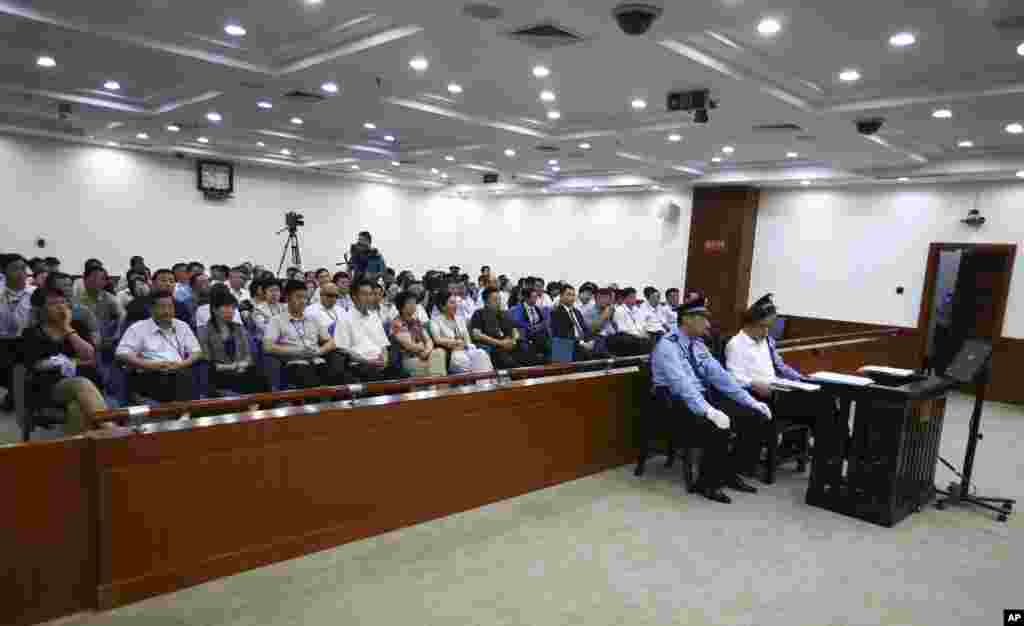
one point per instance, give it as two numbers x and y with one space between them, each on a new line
482 11
545 36
251 85
1015 23
545 148
304 96
777 128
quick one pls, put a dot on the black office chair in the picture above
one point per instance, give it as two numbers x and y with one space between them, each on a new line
31 409
787 441
662 419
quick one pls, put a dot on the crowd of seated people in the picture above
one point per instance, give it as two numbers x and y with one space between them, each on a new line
93 340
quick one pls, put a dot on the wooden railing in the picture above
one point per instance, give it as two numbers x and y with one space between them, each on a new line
824 340
348 392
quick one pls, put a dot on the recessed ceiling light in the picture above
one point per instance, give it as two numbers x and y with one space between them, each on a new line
556 169
419 63
111 85
203 140
444 175
638 103
584 146
296 120
942 114
1020 174
142 136
454 88
805 182
353 167
260 144
595 189
769 26
112 144
903 179
389 137
1020 49
966 143
552 161
1015 128
286 151
330 87
46 62
728 149
901 40
675 137
449 157
234 30
434 170
554 115
369 126
391 180
547 95
716 159
263 104
541 72
509 152
395 163
792 155
849 76
214 116
173 128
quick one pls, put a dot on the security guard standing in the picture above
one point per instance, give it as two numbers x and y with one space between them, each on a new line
710 395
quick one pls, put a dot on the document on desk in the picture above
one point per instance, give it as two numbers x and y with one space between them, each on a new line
895 372
796 385
842 379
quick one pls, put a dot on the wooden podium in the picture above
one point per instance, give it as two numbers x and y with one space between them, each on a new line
883 468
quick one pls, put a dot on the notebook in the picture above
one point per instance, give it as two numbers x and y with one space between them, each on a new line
842 379
894 372
795 385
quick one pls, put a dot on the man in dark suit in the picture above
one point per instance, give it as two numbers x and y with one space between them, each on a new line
532 322
567 323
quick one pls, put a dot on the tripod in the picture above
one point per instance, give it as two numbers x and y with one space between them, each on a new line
291 242
960 493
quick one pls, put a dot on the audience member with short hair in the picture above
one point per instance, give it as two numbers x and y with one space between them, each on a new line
204 312
649 313
236 283
308 353
344 283
669 309
449 331
82 317
139 308
182 291
161 351
418 354
326 310
491 327
103 306
567 323
532 322
63 362
225 344
265 297
361 336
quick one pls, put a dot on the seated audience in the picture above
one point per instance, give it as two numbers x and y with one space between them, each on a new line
630 336
546 301
15 313
449 331
416 288
494 330
266 295
648 313
308 353
326 310
63 362
532 323
670 308
388 311
82 317
225 344
585 301
218 274
360 334
199 285
203 311
419 357
139 308
236 282
135 285
103 306
344 283
79 284
567 323
160 353
182 291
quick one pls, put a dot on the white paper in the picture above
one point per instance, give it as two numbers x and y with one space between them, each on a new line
795 384
842 379
888 371
138 410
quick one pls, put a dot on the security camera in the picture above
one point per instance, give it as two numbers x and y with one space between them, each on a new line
635 18
870 125
974 218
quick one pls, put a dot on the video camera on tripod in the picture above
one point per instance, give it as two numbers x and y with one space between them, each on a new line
292 221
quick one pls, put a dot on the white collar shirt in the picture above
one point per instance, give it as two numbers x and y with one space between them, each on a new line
147 340
362 335
749 360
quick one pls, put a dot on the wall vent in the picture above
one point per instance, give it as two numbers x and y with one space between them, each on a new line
545 36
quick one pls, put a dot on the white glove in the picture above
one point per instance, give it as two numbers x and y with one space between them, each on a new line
720 419
764 409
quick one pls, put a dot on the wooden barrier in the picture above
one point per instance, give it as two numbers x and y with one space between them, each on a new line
47 538
840 353
187 501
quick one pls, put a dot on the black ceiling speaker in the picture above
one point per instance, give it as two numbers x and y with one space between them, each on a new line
490 178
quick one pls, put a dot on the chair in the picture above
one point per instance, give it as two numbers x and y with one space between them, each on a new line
29 410
787 441
563 349
662 418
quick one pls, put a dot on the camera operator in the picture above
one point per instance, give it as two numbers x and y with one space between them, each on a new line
365 261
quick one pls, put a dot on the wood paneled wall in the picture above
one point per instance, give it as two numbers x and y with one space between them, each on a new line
722 250
47 534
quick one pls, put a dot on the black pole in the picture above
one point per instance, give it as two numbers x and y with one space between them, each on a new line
980 387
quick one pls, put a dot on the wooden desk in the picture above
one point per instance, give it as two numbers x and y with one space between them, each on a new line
183 502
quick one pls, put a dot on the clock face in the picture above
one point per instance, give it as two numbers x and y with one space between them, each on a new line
215 176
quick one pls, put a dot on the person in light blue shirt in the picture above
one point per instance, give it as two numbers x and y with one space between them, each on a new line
683 367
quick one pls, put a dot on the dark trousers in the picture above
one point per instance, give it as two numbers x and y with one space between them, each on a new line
363 373
504 360
749 428
537 348
249 381
624 344
582 354
803 407
169 386
9 348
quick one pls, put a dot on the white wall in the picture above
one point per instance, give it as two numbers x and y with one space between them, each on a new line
112 204
841 253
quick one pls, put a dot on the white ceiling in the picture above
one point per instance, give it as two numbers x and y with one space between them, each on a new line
175 64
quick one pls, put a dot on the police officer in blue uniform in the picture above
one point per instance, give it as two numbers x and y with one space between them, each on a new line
707 393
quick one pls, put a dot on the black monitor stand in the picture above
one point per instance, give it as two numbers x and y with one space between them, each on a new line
973 364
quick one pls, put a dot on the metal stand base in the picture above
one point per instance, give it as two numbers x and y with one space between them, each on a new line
956 496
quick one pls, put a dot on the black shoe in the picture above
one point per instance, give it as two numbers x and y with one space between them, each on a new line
738 484
717 495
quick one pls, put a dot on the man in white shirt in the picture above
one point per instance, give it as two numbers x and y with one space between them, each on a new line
237 286
361 336
326 311
649 312
302 344
585 299
629 337
545 301
15 313
669 311
160 352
